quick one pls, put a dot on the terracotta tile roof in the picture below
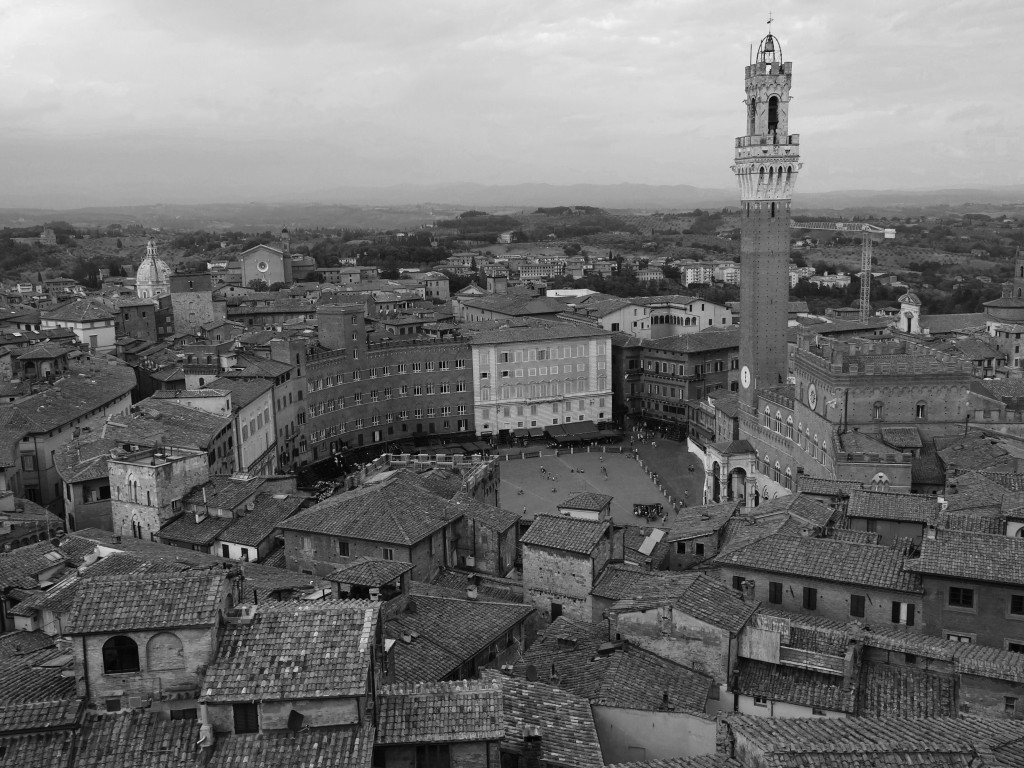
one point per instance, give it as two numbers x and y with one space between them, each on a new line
565 533
137 738
254 527
395 511
594 502
519 332
296 650
700 521
454 585
622 581
907 507
434 713
37 750
44 351
79 460
369 572
697 342
974 451
901 437
643 543
495 518
802 687
69 397
259 577
972 556
704 597
34 692
1011 481
19 567
568 734
861 442
243 391
21 642
891 691
443 482
225 491
870 741
450 631
185 529
820 486
321 747
626 676
826 559
80 311
698 761
159 601
168 422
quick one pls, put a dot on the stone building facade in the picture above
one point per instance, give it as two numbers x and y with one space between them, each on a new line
147 487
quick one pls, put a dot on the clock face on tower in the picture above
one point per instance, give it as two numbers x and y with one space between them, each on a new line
812 396
745 377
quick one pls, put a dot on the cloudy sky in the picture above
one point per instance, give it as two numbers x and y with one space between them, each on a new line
201 100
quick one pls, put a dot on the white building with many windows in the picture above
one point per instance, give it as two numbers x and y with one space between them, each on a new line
540 374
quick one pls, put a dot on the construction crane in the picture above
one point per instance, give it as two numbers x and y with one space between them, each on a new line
868 232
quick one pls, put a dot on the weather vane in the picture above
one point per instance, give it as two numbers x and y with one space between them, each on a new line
770 22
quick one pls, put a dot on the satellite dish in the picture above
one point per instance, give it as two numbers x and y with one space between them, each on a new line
531 673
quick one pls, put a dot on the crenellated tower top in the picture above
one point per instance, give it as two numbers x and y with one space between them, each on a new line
768 156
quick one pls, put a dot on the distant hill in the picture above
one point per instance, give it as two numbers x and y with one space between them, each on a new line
410 205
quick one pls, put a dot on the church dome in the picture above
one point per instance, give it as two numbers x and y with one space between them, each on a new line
153 277
910 298
153 271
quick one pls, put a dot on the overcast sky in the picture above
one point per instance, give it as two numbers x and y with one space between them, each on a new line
206 100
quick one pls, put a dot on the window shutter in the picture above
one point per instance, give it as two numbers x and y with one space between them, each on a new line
895 612
910 614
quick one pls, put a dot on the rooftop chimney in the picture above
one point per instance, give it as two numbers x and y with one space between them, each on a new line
532 746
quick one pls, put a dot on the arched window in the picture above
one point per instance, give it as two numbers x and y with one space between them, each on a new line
814 451
880 482
777 476
789 479
789 427
768 417
778 422
767 466
921 409
824 451
164 651
773 114
120 654
876 410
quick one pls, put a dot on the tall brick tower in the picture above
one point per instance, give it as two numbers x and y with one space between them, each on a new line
767 162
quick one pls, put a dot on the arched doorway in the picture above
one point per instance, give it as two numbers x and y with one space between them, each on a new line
737 485
716 483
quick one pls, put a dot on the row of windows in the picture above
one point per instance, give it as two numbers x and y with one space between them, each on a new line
900 612
699 369
520 410
400 369
319 435
540 389
817 449
540 353
388 393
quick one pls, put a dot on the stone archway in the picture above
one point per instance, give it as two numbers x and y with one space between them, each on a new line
737 490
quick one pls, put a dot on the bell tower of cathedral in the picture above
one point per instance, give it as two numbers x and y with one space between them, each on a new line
766 167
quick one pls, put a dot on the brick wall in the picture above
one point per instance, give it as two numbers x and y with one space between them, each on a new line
989 622
685 640
163 664
555 576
